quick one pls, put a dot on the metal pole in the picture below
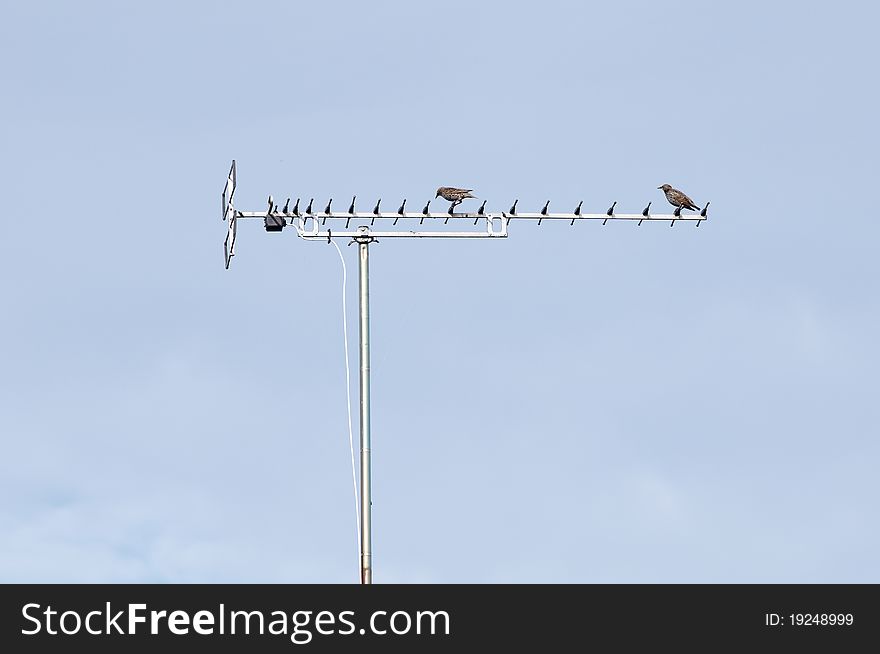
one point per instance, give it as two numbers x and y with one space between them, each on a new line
366 502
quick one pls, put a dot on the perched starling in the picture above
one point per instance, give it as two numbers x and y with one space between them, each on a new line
454 195
678 199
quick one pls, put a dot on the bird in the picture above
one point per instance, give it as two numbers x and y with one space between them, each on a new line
454 195
678 199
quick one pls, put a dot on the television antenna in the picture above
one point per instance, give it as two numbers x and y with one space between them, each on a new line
316 224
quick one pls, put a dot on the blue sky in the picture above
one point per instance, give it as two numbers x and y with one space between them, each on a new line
588 404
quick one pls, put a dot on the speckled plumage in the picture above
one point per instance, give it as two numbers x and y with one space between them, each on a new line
453 194
678 199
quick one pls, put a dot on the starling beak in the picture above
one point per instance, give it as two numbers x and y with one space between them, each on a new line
678 199
454 195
